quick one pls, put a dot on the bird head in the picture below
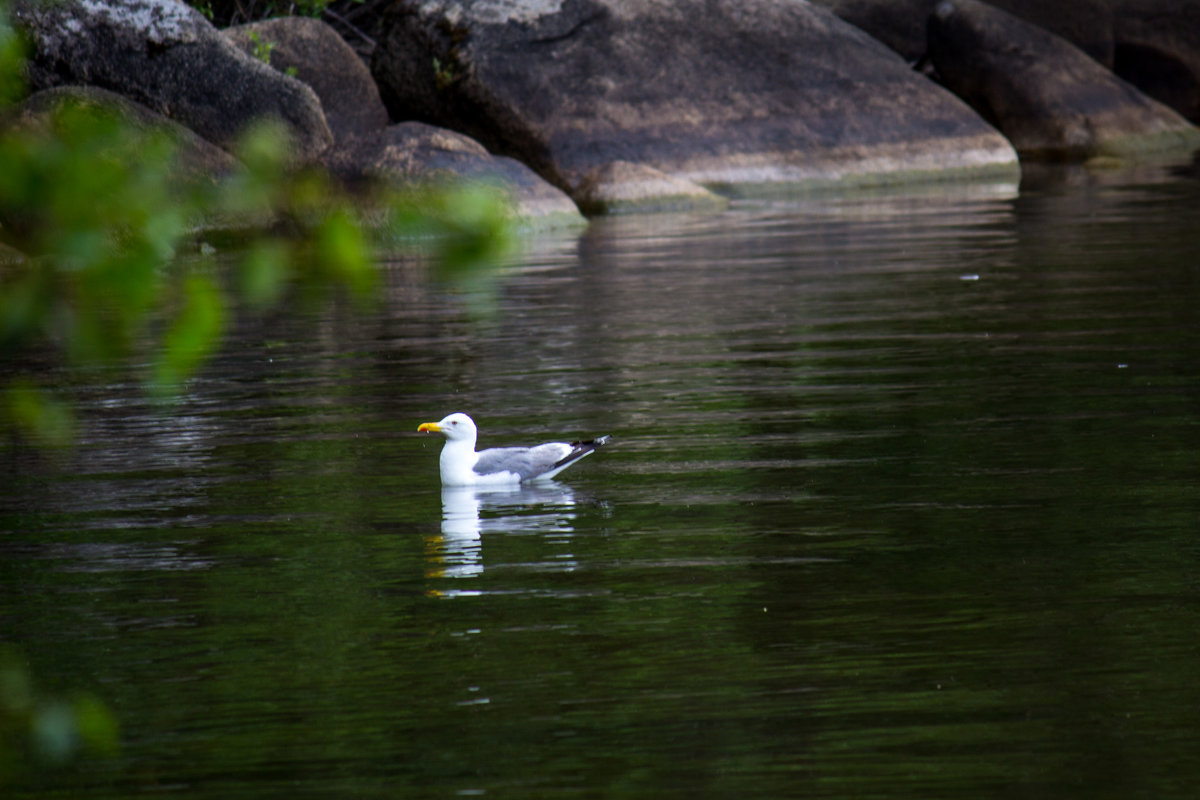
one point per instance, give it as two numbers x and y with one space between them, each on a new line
454 427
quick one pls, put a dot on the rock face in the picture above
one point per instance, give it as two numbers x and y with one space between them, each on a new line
167 57
412 152
194 161
900 24
1087 24
367 147
619 187
719 93
1157 48
1050 99
626 105
311 51
1153 44
197 158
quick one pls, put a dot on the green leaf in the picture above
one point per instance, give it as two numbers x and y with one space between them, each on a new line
12 57
38 415
265 271
96 726
191 337
54 732
342 252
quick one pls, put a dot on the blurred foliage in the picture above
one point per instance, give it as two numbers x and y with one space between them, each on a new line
42 730
470 224
12 57
98 210
101 219
103 265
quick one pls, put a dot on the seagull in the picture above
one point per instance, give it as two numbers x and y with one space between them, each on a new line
499 466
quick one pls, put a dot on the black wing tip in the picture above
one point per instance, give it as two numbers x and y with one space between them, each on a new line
599 441
581 449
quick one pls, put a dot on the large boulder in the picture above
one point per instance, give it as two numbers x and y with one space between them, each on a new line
415 153
1047 96
368 149
196 159
621 187
900 24
1157 49
1153 44
719 93
166 56
1087 24
313 52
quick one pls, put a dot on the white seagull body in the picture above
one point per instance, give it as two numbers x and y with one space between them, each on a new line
500 466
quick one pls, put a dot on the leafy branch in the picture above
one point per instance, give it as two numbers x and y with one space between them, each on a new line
99 258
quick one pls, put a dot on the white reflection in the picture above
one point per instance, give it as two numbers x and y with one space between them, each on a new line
458 554
468 512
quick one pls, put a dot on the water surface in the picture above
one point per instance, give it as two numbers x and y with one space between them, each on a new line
901 503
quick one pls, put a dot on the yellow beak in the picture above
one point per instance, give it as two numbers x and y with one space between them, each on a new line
429 427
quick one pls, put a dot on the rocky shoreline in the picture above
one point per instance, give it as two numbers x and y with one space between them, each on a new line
606 106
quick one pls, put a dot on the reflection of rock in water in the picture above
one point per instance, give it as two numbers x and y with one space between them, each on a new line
468 512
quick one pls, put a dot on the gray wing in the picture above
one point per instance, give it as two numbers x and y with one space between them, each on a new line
528 462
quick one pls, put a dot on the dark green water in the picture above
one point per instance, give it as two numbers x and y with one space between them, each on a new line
903 503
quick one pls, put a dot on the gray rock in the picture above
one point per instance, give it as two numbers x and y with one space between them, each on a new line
900 24
197 159
167 57
1087 24
719 93
1153 44
621 187
1048 97
413 153
367 147
1157 49
313 52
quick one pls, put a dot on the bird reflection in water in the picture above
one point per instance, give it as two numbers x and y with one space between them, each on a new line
468 512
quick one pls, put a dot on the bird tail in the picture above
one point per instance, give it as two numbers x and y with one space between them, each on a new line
578 451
